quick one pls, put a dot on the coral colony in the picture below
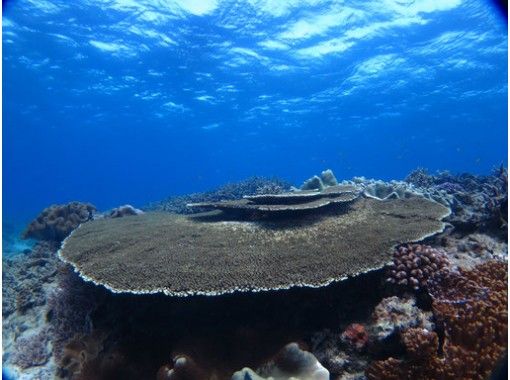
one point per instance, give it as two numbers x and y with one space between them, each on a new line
358 279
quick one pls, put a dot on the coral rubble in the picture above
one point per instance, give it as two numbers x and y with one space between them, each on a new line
56 222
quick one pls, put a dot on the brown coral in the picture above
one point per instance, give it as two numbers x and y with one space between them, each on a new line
182 256
471 310
56 222
414 264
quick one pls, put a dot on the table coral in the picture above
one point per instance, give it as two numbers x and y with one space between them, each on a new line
182 256
470 307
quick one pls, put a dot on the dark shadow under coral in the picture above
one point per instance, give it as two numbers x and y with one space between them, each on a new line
223 333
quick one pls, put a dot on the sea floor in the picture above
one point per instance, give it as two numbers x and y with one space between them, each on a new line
56 325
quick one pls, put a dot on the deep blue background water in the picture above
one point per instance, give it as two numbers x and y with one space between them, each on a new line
124 101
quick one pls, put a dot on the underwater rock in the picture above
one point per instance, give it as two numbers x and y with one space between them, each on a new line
470 308
182 256
56 222
290 363
125 210
414 264
184 368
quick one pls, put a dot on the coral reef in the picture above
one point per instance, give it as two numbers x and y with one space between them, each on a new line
389 190
125 210
466 251
56 222
477 202
291 203
24 276
68 309
414 264
470 307
31 350
394 314
250 186
28 279
447 320
319 183
213 257
355 335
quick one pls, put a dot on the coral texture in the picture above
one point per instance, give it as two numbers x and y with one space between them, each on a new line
177 255
250 186
30 351
476 201
393 315
68 309
284 203
389 190
355 335
414 264
125 210
471 311
24 276
326 179
56 222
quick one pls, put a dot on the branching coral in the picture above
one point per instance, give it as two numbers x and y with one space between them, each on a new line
56 222
471 312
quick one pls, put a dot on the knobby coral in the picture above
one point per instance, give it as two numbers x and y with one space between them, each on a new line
470 307
414 264
56 222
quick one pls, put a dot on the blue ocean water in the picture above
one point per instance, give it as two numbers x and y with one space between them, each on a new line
121 101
